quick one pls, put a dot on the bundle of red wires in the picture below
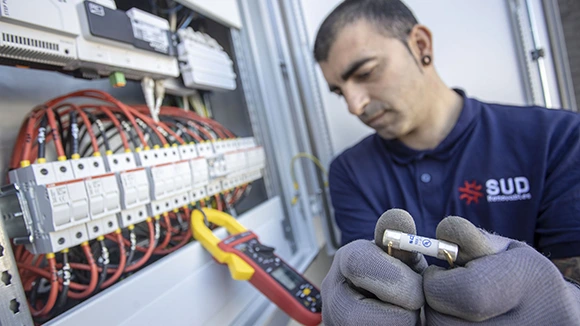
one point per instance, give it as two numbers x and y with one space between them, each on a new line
69 126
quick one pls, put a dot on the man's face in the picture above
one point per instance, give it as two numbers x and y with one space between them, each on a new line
378 77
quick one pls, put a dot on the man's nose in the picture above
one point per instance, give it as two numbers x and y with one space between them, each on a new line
356 101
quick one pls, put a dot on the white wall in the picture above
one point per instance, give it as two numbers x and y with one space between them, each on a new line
474 50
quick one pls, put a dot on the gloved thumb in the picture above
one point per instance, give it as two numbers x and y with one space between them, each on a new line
399 220
473 242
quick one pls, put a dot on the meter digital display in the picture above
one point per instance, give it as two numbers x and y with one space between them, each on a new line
287 277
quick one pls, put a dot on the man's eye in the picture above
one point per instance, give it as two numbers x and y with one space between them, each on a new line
337 92
364 75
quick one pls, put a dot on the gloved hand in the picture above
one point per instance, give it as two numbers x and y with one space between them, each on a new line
499 281
366 286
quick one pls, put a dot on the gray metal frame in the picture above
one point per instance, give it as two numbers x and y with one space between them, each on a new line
537 54
274 112
13 304
313 110
560 55
530 53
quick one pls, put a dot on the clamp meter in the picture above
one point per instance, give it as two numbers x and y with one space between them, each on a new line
250 260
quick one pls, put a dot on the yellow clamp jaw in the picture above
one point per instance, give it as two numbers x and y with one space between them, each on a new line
239 269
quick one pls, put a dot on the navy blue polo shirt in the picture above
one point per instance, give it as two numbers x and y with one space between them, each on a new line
511 170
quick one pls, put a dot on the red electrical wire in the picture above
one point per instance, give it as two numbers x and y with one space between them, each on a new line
117 272
18 251
28 259
19 152
170 227
162 245
218 202
52 296
117 124
183 241
193 135
159 250
173 111
122 262
167 235
54 131
103 96
148 121
172 133
29 138
149 252
94 275
86 122
180 113
47 275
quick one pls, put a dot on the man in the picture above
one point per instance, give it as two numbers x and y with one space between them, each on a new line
436 152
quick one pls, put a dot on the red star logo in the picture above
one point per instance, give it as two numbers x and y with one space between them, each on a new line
471 192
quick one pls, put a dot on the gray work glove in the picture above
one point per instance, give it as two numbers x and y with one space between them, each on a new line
366 286
499 281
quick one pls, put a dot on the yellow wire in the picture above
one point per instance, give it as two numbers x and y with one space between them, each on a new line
198 105
313 159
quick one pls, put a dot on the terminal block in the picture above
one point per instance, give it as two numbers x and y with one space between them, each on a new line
214 188
102 188
57 205
200 174
133 184
235 162
132 216
205 149
198 194
57 199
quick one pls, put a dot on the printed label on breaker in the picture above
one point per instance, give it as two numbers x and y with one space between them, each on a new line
95 187
128 179
411 242
59 195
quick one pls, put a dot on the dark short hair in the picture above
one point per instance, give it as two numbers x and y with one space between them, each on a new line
391 17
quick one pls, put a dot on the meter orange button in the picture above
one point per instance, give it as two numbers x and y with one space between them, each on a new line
306 291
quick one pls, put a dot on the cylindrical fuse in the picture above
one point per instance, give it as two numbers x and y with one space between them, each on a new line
427 246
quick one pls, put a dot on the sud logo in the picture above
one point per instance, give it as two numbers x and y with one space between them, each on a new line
508 189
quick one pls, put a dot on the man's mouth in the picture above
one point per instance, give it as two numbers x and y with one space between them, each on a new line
376 118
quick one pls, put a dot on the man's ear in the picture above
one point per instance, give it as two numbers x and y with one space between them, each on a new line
421 42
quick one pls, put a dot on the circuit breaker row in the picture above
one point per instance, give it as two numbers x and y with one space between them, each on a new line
74 201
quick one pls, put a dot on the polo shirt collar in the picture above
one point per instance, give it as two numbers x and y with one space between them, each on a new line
460 132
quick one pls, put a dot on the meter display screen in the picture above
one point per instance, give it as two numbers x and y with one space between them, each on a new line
287 277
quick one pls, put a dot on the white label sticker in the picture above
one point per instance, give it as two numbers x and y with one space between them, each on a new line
155 36
5 11
96 9
411 242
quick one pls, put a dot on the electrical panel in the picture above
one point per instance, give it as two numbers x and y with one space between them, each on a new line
91 37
